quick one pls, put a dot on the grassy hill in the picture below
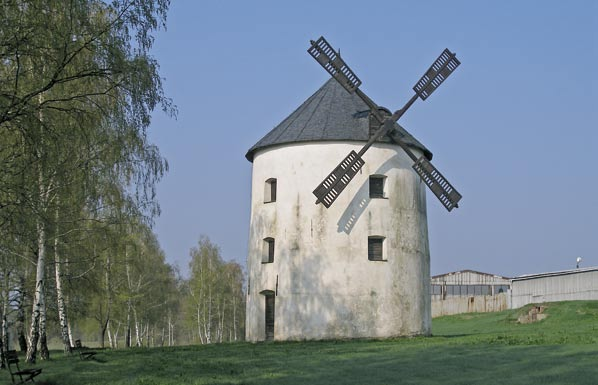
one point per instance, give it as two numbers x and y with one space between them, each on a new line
465 349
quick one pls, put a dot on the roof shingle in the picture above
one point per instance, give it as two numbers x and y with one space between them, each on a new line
330 114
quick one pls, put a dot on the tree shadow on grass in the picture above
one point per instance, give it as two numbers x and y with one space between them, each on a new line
464 364
404 361
454 335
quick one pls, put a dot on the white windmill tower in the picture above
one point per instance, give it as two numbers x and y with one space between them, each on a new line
359 268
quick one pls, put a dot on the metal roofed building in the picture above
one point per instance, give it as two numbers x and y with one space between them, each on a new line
469 291
566 285
358 269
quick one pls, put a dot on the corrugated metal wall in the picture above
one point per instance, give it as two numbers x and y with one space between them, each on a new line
474 304
470 291
550 287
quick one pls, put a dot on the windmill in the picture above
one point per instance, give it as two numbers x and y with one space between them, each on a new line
327 192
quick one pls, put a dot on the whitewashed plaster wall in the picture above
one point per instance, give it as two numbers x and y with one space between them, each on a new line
326 288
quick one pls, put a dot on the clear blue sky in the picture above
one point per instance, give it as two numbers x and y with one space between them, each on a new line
515 128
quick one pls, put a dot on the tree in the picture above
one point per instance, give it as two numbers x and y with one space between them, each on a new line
77 87
216 301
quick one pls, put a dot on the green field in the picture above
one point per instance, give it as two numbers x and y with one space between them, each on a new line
467 349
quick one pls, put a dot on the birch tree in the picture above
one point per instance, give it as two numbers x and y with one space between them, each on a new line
76 76
215 295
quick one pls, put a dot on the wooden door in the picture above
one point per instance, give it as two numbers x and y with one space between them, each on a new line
269 316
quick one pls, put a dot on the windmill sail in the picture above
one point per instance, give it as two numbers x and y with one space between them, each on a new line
327 192
337 180
444 191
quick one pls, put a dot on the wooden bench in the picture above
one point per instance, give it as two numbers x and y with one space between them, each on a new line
84 354
12 360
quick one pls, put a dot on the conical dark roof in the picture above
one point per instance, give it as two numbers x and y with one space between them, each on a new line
331 114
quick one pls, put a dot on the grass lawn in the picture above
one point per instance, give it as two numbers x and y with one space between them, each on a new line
466 349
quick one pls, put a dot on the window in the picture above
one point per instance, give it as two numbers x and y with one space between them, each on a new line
458 290
374 123
375 248
268 251
269 314
498 289
436 289
270 191
454 290
377 186
468 290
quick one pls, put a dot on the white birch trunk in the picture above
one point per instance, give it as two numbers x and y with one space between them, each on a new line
129 304
208 322
38 299
37 329
109 332
138 339
104 323
170 330
116 336
221 321
199 331
128 326
62 315
20 322
43 336
149 336
70 331
4 336
234 316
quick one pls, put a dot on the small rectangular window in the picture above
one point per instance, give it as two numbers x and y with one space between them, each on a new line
498 289
470 289
478 290
268 251
270 190
375 248
273 191
377 186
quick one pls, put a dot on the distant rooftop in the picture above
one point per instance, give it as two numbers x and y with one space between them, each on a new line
468 271
522 277
330 114
555 273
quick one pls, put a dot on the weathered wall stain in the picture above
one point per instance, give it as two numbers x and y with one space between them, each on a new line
327 287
